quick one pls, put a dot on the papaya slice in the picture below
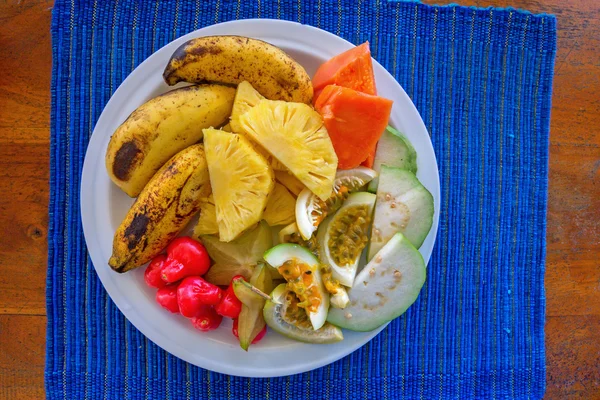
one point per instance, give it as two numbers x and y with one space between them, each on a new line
352 69
354 121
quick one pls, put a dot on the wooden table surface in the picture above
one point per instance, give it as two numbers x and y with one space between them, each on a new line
573 255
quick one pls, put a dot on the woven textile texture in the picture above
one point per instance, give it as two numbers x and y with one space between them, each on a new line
481 79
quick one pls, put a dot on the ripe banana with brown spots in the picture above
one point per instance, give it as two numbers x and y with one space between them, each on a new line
162 210
233 59
162 127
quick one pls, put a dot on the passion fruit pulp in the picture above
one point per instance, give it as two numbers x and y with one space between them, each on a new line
344 235
301 280
283 315
312 211
290 234
348 234
293 313
332 204
301 269
339 296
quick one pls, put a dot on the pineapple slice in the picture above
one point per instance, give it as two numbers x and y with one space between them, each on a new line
281 207
247 97
241 181
290 182
227 128
207 222
294 134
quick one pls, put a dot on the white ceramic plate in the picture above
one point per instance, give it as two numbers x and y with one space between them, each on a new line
103 206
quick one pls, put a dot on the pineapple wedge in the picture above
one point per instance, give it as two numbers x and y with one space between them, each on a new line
281 207
241 181
290 182
207 222
247 97
294 134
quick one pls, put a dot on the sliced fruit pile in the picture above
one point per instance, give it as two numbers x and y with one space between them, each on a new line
241 181
271 168
346 97
182 289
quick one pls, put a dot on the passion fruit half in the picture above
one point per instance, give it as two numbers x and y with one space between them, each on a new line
311 210
283 315
301 269
344 235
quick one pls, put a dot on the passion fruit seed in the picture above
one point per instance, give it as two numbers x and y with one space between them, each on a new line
333 203
332 285
339 296
293 314
348 234
302 282
296 238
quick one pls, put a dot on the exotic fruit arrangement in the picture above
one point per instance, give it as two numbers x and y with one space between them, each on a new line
306 210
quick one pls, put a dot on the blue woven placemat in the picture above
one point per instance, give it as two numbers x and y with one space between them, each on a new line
481 79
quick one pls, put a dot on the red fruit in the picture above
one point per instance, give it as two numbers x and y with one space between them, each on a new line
194 292
152 274
185 257
230 306
167 298
258 337
206 319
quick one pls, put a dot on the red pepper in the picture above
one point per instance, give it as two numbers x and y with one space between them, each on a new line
185 257
206 319
152 276
194 292
167 298
258 337
230 306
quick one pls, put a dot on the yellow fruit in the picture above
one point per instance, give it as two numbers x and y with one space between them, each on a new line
233 59
241 181
294 134
161 128
281 207
207 222
247 97
290 182
162 210
227 128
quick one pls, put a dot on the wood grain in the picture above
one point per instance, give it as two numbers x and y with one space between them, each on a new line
573 257
25 66
22 356
25 69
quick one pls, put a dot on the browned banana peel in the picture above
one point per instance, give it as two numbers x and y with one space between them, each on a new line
163 209
160 128
233 59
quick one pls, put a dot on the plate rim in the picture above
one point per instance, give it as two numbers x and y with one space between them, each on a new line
138 320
